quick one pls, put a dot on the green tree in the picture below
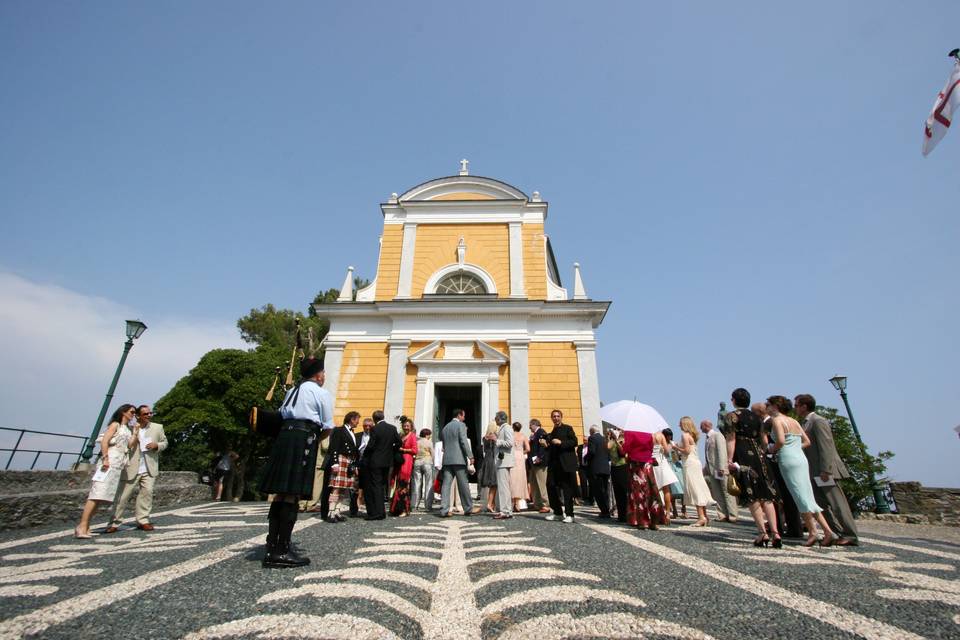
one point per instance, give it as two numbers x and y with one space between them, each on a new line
858 460
207 411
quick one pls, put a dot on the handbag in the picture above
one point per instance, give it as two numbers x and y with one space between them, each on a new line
732 487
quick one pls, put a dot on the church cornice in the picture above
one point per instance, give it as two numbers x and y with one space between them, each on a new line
596 310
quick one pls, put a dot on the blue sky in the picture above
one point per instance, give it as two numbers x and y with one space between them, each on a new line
744 183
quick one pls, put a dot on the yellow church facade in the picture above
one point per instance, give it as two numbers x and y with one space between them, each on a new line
466 311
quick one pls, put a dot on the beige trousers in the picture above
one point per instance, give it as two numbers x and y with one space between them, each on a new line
144 506
726 503
538 487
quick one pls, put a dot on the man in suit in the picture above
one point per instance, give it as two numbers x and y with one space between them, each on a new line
562 467
826 466
583 474
378 458
505 462
539 456
362 439
716 472
141 471
456 455
598 457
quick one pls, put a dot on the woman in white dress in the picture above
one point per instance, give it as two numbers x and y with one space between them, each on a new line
115 448
663 472
695 489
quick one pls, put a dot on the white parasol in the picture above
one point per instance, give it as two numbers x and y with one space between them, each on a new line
633 416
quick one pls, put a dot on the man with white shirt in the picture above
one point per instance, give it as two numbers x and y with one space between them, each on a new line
715 471
307 413
363 439
141 472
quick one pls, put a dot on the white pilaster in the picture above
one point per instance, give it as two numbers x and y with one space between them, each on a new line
332 361
396 377
589 384
519 382
516 261
420 411
493 384
406 260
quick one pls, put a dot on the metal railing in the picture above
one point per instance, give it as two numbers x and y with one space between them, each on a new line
75 453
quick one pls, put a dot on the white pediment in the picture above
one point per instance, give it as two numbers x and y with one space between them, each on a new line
458 352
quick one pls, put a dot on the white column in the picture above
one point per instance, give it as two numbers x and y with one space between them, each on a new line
406 260
420 411
589 384
396 377
519 382
493 384
332 361
516 261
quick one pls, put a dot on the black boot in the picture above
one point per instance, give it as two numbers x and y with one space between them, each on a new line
286 557
277 520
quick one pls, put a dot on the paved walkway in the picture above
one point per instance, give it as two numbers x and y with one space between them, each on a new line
198 576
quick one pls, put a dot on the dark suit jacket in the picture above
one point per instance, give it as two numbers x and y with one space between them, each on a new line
537 450
564 455
598 455
384 441
340 444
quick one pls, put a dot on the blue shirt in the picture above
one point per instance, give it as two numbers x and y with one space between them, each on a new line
314 403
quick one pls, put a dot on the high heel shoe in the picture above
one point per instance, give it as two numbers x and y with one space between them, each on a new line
827 541
761 541
813 540
81 536
777 543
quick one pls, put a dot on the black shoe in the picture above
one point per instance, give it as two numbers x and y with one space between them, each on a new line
375 518
284 557
331 520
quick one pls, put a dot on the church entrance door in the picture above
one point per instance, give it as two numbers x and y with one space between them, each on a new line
468 397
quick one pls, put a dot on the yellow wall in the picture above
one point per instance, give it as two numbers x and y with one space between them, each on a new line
363 379
534 262
555 383
388 271
410 385
503 402
488 246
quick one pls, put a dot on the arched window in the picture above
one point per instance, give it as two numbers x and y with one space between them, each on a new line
461 283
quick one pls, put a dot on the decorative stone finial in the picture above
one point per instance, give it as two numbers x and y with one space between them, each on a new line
394 198
535 197
461 251
346 291
463 167
579 293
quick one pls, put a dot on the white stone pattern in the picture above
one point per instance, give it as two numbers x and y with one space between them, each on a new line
453 547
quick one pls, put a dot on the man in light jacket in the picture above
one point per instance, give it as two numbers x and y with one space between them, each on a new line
715 471
141 471
456 455
505 462
827 467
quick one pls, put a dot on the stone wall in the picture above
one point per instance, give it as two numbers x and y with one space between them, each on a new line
938 505
35 498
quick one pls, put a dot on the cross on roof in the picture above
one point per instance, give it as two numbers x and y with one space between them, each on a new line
463 167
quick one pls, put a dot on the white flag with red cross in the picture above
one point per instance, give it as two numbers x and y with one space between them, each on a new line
939 120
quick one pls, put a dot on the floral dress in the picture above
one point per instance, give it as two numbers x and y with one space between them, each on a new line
755 476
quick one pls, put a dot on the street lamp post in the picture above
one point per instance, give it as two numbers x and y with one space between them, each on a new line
840 384
135 329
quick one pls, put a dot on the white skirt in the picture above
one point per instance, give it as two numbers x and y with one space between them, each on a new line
663 472
106 490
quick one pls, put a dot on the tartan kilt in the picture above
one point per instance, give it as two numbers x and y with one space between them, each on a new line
340 479
292 464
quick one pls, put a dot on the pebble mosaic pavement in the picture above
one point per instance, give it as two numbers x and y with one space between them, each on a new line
198 577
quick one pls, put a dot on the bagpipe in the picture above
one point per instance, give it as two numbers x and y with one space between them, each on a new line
266 422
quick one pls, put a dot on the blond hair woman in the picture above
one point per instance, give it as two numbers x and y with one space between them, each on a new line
695 489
